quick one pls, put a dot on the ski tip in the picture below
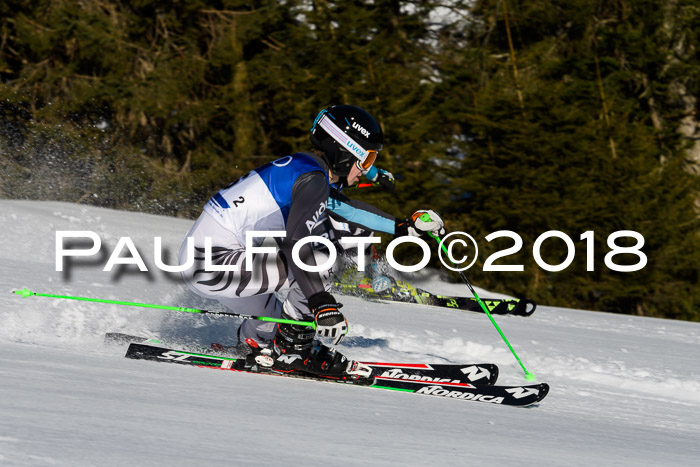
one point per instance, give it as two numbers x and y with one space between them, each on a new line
544 390
530 307
525 307
494 374
25 292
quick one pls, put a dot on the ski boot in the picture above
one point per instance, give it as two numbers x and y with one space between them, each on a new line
296 351
375 272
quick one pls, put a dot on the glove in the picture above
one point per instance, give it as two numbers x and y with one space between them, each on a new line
420 223
330 322
384 178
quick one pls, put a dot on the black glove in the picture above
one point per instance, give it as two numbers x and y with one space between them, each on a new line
385 179
330 322
421 222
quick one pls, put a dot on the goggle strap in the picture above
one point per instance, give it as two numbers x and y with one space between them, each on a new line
340 137
318 117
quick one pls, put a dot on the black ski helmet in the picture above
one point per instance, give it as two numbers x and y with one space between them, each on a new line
346 134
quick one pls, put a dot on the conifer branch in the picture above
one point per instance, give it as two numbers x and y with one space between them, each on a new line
605 109
512 59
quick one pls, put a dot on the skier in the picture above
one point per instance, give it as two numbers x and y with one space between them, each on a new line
291 195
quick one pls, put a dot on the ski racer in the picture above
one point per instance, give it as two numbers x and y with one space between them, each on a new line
291 194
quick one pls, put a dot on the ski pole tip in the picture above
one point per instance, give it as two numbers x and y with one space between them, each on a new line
25 292
529 376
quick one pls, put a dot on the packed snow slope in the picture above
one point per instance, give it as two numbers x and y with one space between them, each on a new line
624 390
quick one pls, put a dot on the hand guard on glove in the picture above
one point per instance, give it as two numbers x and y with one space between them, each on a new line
330 322
420 223
385 179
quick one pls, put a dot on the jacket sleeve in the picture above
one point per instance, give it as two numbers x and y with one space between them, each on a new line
360 214
306 211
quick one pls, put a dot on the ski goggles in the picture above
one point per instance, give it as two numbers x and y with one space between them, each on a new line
368 162
365 157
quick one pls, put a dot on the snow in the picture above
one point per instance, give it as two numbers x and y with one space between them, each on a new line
625 390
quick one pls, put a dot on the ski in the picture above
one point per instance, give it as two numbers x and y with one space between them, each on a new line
473 373
479 373
401 291
382 378
505 395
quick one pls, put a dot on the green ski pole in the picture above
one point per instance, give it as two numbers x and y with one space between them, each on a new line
528 376
28 293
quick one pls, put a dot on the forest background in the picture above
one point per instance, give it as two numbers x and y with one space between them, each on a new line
529 116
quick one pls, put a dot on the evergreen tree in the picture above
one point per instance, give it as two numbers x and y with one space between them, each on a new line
558 135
